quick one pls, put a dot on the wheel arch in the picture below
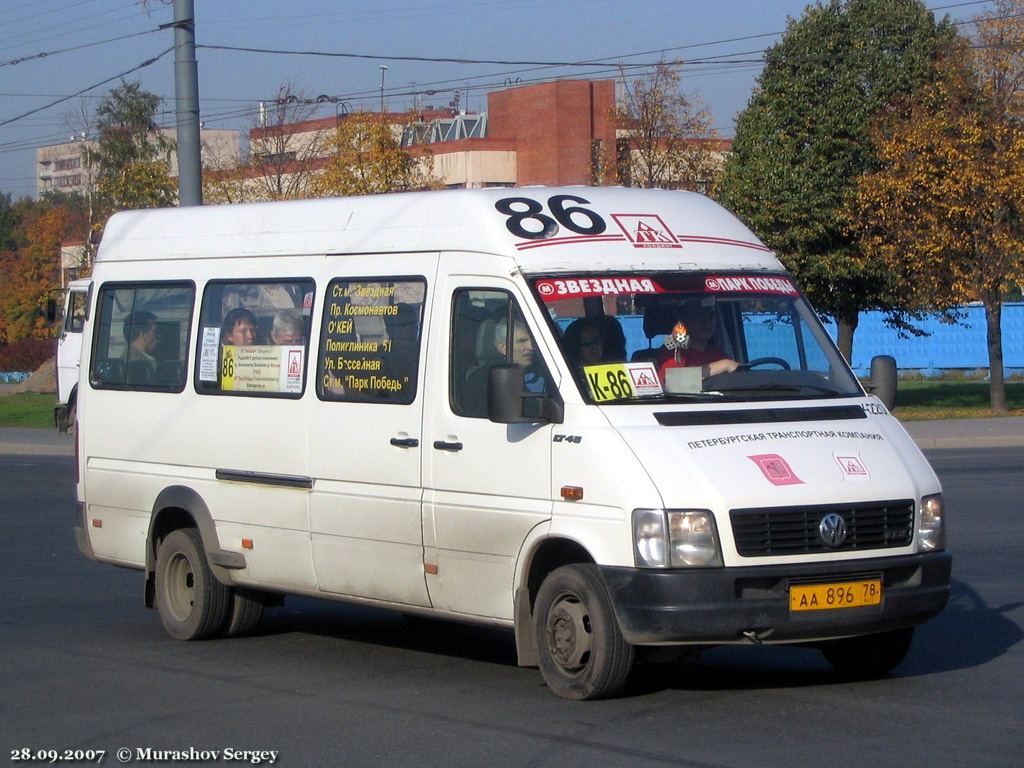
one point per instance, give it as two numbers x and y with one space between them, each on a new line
176 507
544 556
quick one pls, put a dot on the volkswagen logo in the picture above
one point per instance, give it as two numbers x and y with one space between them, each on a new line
832 529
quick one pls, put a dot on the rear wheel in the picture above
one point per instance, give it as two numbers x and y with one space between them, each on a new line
869 655
243 615
193 605
581 651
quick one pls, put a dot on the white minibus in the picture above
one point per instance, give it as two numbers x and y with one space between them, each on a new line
604 418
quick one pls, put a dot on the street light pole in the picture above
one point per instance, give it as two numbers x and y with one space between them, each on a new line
383 69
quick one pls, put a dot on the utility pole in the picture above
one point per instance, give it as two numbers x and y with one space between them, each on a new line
383 69
186 92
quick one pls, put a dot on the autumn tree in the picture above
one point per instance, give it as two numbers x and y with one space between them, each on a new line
131 156
803 141
31 272
945 210
666 138
366 157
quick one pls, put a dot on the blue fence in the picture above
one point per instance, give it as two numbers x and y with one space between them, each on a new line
12 378
948 347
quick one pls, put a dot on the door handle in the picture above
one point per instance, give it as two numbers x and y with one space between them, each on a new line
405 442
442 445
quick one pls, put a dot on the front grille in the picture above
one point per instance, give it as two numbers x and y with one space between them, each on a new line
794 530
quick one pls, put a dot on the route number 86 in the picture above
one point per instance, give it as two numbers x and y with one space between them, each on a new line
522 209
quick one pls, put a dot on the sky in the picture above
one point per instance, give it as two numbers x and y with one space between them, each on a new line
58 58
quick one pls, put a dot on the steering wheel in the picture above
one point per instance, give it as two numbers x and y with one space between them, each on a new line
765 361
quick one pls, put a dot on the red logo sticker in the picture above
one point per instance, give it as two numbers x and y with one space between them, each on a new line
852 466
646 230
775 469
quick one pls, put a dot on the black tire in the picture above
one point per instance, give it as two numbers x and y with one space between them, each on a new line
580 649
868 656
243 614
193 605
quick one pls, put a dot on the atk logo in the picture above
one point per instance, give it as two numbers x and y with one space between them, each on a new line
852 466
646 230
775 469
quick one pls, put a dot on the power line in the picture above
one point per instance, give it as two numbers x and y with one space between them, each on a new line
143 65
46 54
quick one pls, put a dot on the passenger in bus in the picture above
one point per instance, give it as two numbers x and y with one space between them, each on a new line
287 329
699 321
584 341
143 337
522 353
239 328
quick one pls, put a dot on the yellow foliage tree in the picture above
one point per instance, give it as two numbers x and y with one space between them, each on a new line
945 210
366 158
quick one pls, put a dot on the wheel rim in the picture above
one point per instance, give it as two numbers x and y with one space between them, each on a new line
180 586
569 633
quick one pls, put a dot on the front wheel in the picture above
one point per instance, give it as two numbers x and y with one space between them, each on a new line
869 655
193 605
581 651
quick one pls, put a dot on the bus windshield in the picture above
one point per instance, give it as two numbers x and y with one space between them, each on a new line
692 336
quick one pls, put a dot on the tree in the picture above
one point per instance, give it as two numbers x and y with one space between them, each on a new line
131 156
803 141
282 157
8 223
666 137
30 273
367 158
945 210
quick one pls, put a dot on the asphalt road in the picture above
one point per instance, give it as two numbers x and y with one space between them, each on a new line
84 666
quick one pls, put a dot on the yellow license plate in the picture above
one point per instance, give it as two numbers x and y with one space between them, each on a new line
826 597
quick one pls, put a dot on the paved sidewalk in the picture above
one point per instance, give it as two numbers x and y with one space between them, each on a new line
35 442
996 432
1004 432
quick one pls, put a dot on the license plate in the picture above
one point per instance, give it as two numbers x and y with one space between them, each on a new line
826 597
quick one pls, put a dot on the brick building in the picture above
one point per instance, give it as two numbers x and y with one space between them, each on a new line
550 133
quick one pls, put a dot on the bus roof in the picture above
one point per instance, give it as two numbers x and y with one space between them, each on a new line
584 228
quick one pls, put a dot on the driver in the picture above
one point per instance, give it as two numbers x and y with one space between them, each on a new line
699 321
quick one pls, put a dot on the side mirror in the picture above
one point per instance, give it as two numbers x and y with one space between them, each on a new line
883 380
508 402
51 311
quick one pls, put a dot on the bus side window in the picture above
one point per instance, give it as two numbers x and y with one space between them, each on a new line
370 340
141 336
254 337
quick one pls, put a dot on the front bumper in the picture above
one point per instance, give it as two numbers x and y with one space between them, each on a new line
724 605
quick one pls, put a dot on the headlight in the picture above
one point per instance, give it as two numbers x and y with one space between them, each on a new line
931 524
649 539
675 538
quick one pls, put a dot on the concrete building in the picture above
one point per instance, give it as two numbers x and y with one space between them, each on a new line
61 167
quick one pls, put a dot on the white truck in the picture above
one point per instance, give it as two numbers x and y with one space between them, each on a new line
69 351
